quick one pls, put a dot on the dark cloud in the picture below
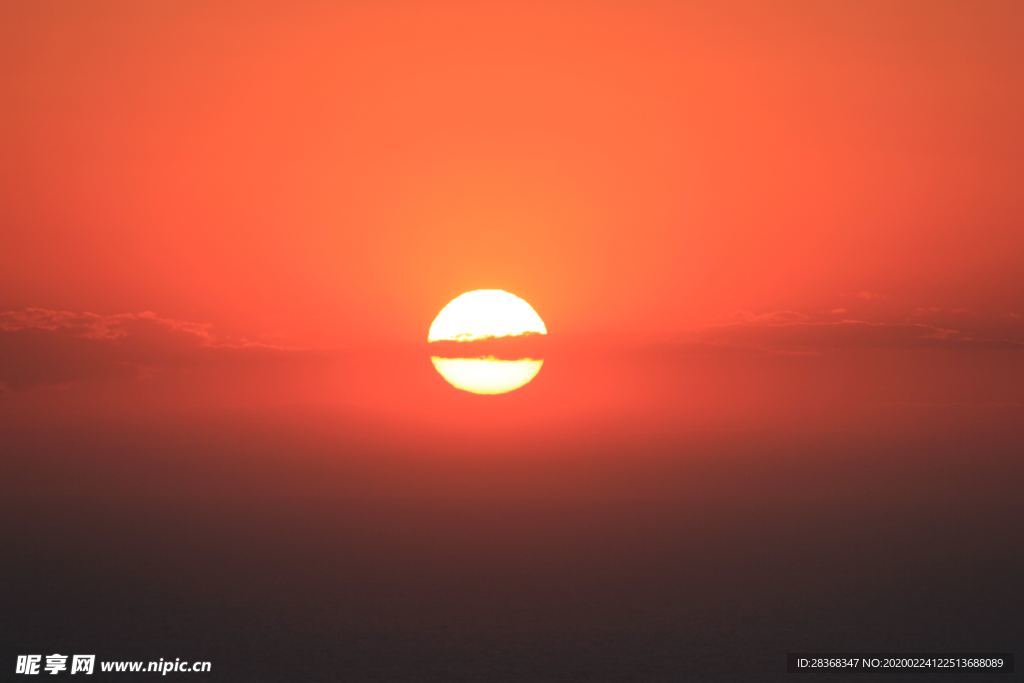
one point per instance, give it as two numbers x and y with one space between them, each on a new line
512 347
795 332
46 347
41 346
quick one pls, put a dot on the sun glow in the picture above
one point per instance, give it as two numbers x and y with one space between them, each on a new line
477 316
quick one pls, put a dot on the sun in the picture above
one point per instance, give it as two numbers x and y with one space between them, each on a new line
470 322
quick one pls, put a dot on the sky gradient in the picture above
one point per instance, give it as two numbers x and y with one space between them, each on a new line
777 247
331 175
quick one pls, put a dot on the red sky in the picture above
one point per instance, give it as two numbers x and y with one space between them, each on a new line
762 212
320 174
778 246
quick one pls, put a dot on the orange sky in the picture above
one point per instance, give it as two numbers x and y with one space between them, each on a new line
772 210
331 175
778 246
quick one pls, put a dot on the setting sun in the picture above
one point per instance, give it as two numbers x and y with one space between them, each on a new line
479 316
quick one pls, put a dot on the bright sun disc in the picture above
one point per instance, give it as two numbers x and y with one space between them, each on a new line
485 314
